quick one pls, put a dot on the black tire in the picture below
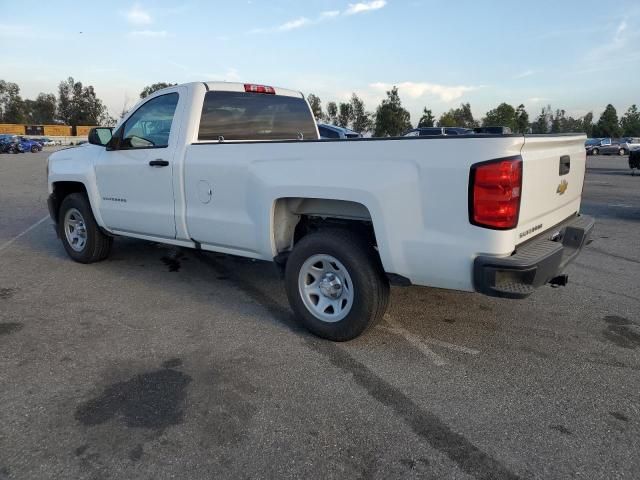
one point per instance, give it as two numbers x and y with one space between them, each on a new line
97 245
595 151
370 285
34 149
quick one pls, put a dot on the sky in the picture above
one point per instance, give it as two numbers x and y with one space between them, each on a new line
578 55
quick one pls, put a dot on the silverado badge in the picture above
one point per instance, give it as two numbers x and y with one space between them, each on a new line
562 187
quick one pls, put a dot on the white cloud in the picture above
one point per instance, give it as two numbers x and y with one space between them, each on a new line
617 43
149 33
526 73
330 14
293 24
537 99
446 93
300 22
136 15
361 7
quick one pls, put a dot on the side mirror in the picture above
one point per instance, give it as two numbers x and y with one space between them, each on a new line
100 135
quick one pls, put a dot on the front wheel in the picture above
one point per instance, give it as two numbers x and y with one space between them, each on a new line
81 237
622 152
595 151
335 284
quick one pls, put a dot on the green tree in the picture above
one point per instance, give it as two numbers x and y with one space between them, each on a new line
427 119
79 105
630 122
504 115
447 119
391 118
361 118
345 114
522 120
42 110
11 103
149 89
458 117
316 106
542 124
332 113
587 124
608 125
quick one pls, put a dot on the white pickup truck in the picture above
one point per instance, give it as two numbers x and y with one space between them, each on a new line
240 169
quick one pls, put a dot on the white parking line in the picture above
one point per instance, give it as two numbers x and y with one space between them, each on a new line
415 341
421 342
8 243
451 346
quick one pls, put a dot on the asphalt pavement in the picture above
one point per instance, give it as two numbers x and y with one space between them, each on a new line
169 363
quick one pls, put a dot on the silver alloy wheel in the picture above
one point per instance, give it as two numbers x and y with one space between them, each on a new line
621 152
75 229
326 288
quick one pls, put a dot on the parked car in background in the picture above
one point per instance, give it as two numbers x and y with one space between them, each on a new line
634 160
47 142
29 145
334 131
437 131
7 143
593 143
493 130
611 147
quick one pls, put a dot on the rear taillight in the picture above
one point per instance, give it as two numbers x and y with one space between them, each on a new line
495 189
251 88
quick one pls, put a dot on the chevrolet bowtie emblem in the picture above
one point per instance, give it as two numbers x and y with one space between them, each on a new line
562 187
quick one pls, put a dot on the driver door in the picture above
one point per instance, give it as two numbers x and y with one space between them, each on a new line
134 174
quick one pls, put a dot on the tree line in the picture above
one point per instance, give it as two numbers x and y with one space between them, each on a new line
392 119
75 104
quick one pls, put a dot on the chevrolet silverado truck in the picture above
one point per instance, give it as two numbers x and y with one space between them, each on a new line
240 169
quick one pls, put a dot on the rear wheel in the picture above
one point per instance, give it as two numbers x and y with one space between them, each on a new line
622 152
34 149
595 151
81 237
335 284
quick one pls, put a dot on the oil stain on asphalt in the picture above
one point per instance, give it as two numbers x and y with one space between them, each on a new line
8 328
172 261
6 293
152 400
622 332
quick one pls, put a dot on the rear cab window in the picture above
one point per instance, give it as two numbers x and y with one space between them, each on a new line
238 116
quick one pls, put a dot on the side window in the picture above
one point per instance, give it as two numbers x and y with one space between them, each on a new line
450 131
429 132
329 133
150 125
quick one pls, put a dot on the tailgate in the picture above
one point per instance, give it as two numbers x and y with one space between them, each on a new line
553 170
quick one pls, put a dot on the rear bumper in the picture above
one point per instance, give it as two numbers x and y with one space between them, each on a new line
534 263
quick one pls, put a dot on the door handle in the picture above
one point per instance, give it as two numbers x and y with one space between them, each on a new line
159 163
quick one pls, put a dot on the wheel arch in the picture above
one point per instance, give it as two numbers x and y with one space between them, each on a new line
289 215
61 190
